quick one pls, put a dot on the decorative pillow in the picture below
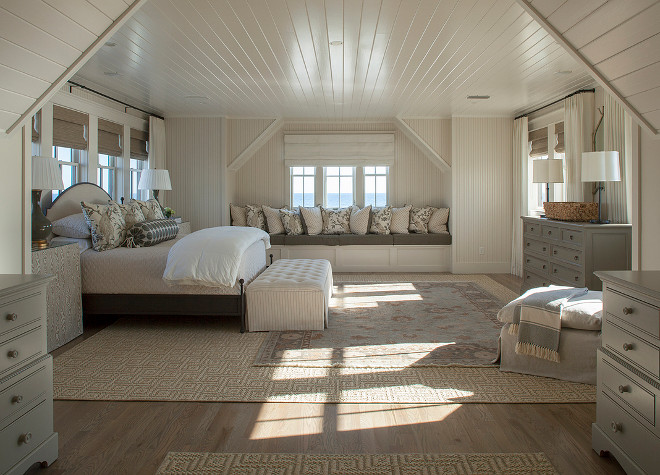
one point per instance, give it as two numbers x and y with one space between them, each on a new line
381 218
255 217
360 220
72 226
106 225
150 233
419 219
312 219
150 209
238 215
131 212
400 220
273 219
336 221
291 221
438 221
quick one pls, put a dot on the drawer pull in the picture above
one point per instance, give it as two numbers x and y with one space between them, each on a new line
627 310
555 252
549 233
25 438
532 228
570 237
527 261
554 271
577 258
616 427
17 399
12 317
627 346
12 354
528 244
544 266
624 389
577 277
544 249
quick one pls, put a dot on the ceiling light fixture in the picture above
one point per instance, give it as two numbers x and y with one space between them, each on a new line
197 99
111 74
564 71
478 97
336 43
110 44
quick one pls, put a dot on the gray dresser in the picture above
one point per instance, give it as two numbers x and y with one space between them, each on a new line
26 375
565 253
628 402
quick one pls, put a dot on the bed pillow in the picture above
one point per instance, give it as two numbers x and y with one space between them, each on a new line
255 217
106 225
72 226
359 223
291 221
438 221
400 220
238 215
273 220
312 220
150 233
131 212
419 220
381 218
336 221
150 209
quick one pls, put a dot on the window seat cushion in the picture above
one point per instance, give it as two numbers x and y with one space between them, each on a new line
364 239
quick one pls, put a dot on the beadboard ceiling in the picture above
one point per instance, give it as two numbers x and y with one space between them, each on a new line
258 58
620 40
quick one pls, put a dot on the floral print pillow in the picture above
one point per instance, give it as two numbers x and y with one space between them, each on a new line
255 216
150 209
381 219
291 221
337 221
419 219
131 212
106 225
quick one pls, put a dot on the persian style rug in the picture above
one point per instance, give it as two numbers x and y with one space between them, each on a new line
363 464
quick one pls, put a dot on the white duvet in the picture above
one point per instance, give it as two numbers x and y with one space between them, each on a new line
211 256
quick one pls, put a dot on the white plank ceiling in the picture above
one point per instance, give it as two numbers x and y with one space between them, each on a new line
275 58
40 40
620 39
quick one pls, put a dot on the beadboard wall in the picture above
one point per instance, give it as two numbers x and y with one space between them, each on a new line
482 202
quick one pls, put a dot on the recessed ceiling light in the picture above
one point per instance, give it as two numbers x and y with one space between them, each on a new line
111 74
478 97
110 44
564 71
197 99
336 43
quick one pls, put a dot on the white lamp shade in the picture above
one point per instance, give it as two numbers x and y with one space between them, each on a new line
548 171
600 166
46 174
154 179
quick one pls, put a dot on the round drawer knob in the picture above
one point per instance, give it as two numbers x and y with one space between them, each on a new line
544 249
554 271
17 399
12 317
12 354
25 438
577 277
544 266
570 237
527 261
627 310
528 244
623 389
549 233
616 427
554 252
627 346
577 258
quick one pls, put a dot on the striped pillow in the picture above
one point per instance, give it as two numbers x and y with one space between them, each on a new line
150 233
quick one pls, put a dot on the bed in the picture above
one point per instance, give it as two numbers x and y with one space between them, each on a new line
125 281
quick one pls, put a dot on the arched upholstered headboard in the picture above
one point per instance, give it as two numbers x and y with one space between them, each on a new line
69 201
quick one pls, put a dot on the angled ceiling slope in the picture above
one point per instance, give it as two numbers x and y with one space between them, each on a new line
617 40
44 42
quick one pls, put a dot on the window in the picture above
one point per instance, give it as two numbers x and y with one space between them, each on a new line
302 186
338 186
69 161
136 170
106 173
375 186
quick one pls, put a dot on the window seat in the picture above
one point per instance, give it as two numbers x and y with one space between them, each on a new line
361 239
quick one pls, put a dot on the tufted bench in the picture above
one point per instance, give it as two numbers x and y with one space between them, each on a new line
292 294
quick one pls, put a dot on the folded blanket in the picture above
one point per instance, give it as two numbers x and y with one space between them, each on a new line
539 325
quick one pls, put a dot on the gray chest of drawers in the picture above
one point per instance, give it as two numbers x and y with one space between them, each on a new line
564 253
26 375
628 402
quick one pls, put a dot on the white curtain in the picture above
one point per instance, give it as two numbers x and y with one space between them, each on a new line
156 142
614 128
578 130
520 159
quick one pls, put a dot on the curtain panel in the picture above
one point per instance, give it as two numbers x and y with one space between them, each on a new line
614 128
578 133
520 205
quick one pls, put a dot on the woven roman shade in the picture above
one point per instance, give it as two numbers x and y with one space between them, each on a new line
36 127
539 142
139 144
70 128
559 132
110 138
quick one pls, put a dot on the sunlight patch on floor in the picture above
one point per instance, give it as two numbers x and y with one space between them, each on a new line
344 301
284 373
276 421
370 288
388 416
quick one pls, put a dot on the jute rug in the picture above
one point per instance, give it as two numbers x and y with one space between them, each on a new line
207 359
347 464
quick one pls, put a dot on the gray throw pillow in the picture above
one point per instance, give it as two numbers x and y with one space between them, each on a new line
150 233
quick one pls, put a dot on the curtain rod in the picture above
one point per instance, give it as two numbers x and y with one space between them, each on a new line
555 102
113 99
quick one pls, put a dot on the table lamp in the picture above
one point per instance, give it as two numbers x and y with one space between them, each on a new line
155 180
548 171
600 167
46 175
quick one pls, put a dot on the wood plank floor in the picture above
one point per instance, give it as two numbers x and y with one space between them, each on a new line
133 437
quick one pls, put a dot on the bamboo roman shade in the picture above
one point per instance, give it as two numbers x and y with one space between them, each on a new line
348 150
139 147
70 128
539 142
559 132
110 138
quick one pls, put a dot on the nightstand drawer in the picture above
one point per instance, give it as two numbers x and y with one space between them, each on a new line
24 390
532 228
26 433
632 311
567 255
574 277
21 312
551 232
22 349
537 246
624 387
539 265
569 235
631 348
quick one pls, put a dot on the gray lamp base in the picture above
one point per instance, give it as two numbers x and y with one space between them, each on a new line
41 225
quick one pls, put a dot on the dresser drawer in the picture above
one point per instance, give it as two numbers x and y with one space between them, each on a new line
551 232
22 349
539 265
531 281
537 246
21 312
24 390
631 436
24 434
567 255
625 389
631 348
532 228
571 276
572 236
638 314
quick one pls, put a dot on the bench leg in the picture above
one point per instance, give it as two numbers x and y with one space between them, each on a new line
241 281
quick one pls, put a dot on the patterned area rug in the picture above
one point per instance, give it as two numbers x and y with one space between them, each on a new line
394 325
346 464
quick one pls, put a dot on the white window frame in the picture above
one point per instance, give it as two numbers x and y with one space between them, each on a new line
99 173
293 175
374 175
76 156
339 176
141 194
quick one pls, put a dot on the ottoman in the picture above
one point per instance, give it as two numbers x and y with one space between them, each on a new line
291 294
